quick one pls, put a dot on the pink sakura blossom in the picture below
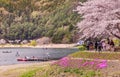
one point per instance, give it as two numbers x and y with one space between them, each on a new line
100 18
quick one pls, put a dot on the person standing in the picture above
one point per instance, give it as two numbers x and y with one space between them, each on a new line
99 46
88 45
96 45
103 45
112 45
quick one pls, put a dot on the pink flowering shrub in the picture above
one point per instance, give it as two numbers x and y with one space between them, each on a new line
67 62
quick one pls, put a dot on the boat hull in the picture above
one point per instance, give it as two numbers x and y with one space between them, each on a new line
22 59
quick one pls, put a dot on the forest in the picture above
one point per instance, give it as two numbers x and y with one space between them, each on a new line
33 19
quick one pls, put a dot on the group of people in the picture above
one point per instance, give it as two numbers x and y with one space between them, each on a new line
102 45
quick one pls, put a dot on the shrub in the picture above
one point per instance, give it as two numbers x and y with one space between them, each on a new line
33 43
117 42
81 47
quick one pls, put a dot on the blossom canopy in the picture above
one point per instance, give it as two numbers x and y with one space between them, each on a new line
100 18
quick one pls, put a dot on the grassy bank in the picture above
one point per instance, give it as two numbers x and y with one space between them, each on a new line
56 71
61 71
30 73
22 70
97 55
70 67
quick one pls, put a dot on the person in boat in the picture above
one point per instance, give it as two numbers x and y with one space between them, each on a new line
33 57
6 52
26 57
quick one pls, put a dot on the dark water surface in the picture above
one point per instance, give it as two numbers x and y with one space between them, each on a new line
9 56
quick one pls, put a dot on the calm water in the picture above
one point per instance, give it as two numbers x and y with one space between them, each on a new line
11 58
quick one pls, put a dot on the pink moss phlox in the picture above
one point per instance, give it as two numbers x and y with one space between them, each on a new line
79 63
76 63
102 64
85 64
64 62
80 60
104 61
92 63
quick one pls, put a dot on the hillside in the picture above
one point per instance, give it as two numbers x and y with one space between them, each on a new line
32 19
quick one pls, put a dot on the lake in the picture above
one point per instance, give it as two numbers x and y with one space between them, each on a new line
12 55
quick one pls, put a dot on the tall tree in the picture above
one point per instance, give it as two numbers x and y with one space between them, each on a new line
100 18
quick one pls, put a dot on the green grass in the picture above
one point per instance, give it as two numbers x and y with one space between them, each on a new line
30 73
81 48
97 55
57 71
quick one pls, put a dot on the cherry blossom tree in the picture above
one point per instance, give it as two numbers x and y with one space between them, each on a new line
100 18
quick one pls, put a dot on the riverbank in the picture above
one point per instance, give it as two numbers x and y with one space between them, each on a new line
112 69
42 46
18 69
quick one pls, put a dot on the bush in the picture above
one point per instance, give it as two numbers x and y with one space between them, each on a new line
33 43
81 47
117 42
